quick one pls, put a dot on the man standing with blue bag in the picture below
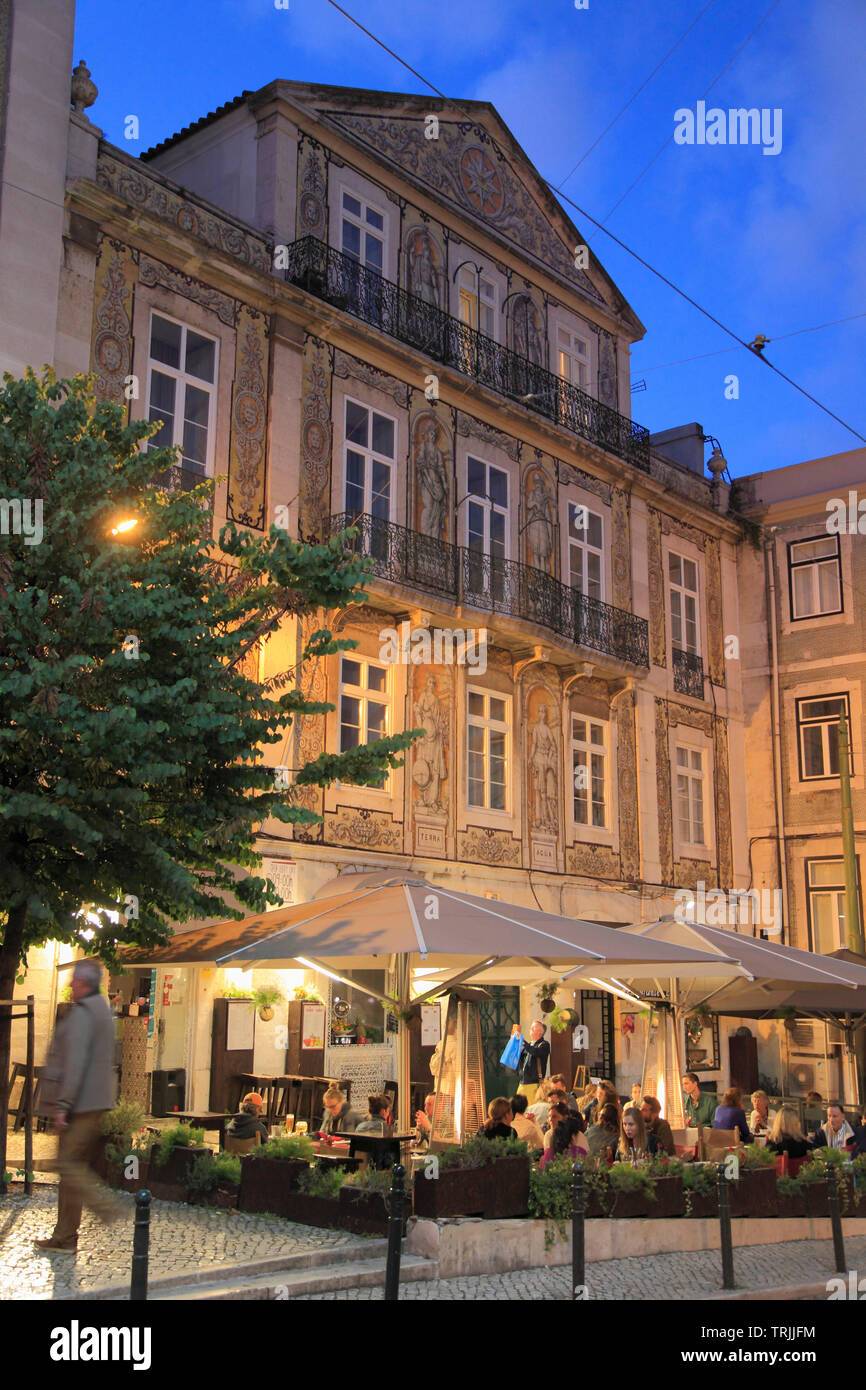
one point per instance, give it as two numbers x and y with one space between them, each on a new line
533 1060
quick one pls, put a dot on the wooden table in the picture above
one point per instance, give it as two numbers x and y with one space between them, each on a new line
204 1119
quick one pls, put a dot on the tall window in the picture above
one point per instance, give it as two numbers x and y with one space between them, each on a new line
487 732
590 766
683 580
825 884
690 795
363 233
182 383
585 551
369 461
815 569
364 703
818 736
572 358
476 301
487 527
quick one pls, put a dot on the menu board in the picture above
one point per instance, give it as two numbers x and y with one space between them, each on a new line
312 1027
240 1025
431 1024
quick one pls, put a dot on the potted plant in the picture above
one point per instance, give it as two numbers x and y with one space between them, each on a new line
545 996
631 1189
790 1197
234 992
754 1192
560 1019
667 1180
306 994
481 1177
700 1190
213 1180
316 1200
264 999
174 1151
119 1126
270 1174
365 1202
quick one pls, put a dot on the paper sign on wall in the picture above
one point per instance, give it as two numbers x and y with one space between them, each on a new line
431 1025
312 1026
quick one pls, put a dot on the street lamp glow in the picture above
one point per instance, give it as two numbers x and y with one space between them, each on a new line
122 527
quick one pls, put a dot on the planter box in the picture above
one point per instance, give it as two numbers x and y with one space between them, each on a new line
628 1204
224 1197
177 1165
499 1189
703 1205
310 1211
817 1199
669 1197
267 1183
366 1213
754 1194
791 1205
116 1178
593 1205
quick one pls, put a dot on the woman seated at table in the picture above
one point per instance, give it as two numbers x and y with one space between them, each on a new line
762 1117
603 1137
731 1115
786 1135
375 1123
499 1117
538 1110
634 1142
524 1124
248 1122
566 1138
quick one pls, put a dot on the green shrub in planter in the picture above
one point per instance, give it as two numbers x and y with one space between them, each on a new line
477 1152
175 1137
322 1182
700 1189
757 1156
210 1171
296 1146
122 1122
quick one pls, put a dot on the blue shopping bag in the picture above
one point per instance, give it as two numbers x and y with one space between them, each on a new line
511 1055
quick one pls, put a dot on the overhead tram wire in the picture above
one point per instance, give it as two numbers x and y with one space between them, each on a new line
559 193
776 338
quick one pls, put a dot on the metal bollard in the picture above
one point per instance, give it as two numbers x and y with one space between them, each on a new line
578 1246
725 1231
395 1235
140 1247
836 1218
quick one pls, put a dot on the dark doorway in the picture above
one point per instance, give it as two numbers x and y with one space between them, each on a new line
498 1016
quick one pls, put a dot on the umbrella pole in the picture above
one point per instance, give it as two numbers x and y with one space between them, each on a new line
404 1085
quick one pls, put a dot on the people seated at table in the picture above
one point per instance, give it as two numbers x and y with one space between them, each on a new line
603 1137
700 1105
375 1123
538 1110
762 1117
605 1094
557 1111
836 1132
636 1096
731 1115
651 1113
498 1123
565 1140
786 1135
424 1122
814 1098
248 1122
561 1084
524 1125
587 1103
634 1142
338 1118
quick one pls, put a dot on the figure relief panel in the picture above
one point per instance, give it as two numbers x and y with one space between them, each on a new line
627 784
621 549
424 274
247 449
607 375
539 508
315 497
527 329
312 201
432 690
432 455
543 780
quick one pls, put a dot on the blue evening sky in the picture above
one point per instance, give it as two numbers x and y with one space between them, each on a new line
769 244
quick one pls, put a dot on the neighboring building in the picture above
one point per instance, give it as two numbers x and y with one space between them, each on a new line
340 317
803 659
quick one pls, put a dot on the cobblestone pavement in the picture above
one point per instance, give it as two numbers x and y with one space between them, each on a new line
670 1277
183 1239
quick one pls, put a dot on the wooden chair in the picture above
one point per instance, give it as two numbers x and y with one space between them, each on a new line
686 1142
716 1141
242 1146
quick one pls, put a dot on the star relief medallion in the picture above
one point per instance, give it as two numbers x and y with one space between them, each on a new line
481 182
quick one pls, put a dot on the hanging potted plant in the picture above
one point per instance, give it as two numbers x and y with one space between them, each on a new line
545 996
560 1019
264 1000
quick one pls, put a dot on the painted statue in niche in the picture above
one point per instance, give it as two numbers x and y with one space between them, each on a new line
424 266
527 336
431 473
430 766
539 522
544 772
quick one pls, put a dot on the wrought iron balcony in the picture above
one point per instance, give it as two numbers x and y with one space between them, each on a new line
476 580
688 673
179 479
344 282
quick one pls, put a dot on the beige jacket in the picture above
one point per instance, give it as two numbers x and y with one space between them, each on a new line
79 1074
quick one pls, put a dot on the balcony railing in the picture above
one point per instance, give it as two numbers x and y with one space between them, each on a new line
344 282
476 580
179 479
688 674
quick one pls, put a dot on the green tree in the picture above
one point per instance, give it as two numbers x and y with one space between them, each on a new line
132 776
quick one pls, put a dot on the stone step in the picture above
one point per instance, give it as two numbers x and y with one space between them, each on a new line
289 1283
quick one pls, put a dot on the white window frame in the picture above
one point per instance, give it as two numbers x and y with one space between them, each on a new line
567 354
489 507
587 749
364 694
692 775
369 454
364 227
182 379
825 724
488 724
584 548
813 566
471 296
685 593
833 891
